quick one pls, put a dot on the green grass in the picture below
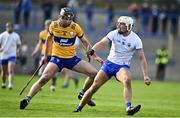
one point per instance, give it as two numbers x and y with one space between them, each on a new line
161 99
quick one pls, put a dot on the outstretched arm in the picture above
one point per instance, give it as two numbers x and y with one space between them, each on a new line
88 47
104 41
96 47
144 67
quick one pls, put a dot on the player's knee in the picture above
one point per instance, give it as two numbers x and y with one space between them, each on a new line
44 78
43 81
10 72
127 82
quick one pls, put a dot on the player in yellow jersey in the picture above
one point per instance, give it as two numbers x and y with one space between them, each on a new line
41 46
64 32
68 73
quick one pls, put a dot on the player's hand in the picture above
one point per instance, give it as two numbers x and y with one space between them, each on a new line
89 53
98 59
44 60
147 80
1 49
34 54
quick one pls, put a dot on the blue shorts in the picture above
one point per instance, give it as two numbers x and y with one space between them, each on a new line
10 59
111 68
65 62
48 58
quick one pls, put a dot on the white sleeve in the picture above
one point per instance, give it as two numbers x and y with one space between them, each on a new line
110 35
139 44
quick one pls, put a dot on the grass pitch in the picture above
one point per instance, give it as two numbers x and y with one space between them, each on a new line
161 99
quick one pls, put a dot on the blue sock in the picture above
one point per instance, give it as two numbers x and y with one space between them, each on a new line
128 104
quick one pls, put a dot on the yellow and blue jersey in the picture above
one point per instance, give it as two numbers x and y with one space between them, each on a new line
42 35
64 39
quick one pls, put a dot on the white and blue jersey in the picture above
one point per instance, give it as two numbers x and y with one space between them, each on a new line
9 43
121 51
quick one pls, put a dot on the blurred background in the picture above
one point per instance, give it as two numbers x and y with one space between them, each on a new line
157 22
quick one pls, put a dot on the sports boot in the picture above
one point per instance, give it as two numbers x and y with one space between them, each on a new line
132 110
90 103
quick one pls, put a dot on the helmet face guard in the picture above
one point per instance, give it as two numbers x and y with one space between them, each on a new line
9 27
66 13
66 16
128 21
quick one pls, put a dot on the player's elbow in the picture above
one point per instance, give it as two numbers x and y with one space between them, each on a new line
142 58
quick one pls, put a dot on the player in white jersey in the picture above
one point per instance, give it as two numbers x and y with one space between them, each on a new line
124 44
9 48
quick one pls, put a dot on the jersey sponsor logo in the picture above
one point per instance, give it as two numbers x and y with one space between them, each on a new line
124 43
65 41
